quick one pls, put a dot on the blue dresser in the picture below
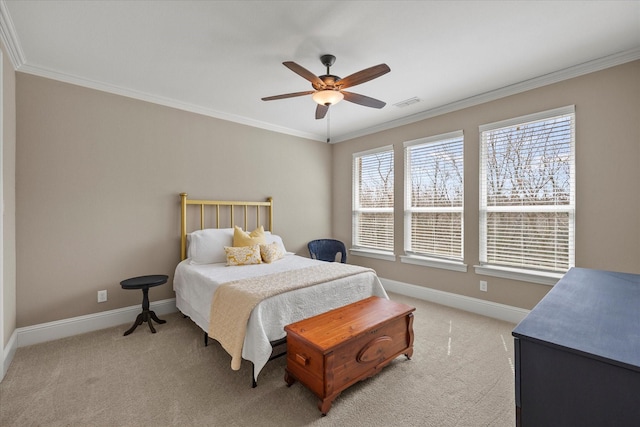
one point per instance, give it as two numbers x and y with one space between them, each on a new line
577 354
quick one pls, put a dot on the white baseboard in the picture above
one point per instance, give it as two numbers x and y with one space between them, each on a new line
91 322
9 352
474 305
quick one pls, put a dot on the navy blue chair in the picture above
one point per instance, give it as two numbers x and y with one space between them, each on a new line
327 249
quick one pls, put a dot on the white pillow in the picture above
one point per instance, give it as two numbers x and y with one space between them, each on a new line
270 238
207 246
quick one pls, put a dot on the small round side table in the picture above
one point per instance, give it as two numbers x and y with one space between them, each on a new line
144 283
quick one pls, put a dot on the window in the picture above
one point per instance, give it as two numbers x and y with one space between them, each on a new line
373 201
434 196
527 192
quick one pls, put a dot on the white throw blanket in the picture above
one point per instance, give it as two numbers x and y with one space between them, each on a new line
233 302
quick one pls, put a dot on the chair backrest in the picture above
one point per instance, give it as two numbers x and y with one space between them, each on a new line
327 249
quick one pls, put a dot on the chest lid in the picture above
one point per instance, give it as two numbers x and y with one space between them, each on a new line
334 327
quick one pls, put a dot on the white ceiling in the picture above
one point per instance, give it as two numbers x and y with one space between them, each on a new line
220 57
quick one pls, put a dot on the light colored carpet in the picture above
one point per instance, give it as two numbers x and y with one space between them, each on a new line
461 374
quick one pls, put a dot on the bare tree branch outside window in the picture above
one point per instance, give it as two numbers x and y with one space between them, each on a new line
434 213
528 195
373 210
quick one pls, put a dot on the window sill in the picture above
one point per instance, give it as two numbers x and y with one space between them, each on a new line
532 276
434 262
372 253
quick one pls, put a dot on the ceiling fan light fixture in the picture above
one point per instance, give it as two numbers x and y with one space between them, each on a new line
328 97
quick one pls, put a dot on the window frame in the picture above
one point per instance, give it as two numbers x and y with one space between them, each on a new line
424 258
542 275
357 248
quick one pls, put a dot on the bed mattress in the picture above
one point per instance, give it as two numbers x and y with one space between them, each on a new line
195 285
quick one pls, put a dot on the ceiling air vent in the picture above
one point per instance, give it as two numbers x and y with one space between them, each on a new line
407 102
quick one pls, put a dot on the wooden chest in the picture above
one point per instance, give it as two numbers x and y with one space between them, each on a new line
333 350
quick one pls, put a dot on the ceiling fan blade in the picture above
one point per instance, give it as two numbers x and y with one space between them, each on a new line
288 95
321 111
363 76
363 100
301 71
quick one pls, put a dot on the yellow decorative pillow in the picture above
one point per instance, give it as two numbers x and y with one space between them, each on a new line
242 238
244 255
271 252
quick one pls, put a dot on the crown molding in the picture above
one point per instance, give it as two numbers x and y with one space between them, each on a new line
10 38
534 83
537 82
167 102
12 44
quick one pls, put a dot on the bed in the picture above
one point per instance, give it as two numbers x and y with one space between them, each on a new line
203 272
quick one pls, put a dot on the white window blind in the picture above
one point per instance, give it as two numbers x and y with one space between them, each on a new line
434 196
373 199
527 192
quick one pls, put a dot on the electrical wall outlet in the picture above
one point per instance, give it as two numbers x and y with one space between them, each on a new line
102 296
483 286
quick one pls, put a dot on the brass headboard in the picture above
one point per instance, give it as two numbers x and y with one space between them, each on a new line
184 202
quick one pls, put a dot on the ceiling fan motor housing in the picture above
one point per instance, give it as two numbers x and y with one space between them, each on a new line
329 82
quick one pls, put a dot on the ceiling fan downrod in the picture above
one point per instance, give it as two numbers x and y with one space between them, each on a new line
328 61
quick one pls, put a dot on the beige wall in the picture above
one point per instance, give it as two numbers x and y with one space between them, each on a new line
607 178
9 196
98 178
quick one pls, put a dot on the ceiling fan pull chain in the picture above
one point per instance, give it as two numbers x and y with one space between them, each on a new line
328 126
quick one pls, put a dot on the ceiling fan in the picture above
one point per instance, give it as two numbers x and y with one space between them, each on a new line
328 89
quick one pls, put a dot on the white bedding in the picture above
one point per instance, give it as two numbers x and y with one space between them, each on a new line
195 284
